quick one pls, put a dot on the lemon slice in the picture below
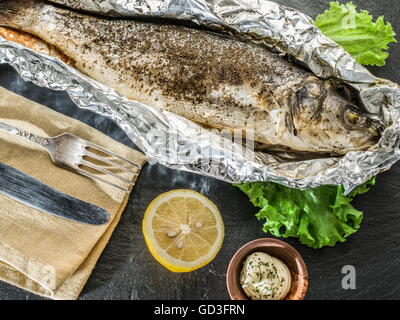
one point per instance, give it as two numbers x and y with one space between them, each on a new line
183 230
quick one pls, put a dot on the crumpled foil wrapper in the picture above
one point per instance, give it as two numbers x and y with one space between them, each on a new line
183 145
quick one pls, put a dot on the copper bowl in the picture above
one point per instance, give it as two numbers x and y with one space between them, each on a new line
275 248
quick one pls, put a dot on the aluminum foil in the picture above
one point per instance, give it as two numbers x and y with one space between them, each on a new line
183 145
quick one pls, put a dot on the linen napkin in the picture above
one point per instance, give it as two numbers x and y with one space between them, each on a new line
41 253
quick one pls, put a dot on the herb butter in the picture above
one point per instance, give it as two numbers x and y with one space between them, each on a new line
264 277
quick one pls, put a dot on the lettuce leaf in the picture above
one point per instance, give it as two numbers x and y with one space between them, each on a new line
356 32
319 216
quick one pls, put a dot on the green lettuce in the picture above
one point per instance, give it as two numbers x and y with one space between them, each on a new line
356 32
319 216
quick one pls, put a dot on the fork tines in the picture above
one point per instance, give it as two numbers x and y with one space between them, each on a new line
100 160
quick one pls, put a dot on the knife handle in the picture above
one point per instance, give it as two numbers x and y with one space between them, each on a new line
24 134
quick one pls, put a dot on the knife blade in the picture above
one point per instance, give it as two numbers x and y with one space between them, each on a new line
35 194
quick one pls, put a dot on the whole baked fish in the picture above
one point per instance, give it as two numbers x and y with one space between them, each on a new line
218 81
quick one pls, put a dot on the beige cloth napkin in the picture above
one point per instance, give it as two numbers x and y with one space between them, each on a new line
41 253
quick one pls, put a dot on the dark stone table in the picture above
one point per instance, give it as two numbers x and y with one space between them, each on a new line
126 270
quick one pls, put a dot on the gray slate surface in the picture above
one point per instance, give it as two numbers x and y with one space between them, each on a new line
126 269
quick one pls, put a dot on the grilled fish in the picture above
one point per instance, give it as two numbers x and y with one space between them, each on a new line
218 81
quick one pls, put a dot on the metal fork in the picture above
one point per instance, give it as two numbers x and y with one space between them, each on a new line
69 151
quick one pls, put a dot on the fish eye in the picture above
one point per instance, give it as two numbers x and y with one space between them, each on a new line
353 116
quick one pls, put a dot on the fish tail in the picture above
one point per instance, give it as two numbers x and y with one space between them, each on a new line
11 11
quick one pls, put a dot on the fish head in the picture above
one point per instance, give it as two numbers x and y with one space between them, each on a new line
330 122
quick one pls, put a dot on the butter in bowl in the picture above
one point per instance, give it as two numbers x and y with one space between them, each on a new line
267 269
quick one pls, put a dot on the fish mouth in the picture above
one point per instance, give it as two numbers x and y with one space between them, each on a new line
375 127
355 119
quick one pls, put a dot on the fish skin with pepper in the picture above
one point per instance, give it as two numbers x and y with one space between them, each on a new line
218 81
83 5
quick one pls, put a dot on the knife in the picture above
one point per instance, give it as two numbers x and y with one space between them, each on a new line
35 194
